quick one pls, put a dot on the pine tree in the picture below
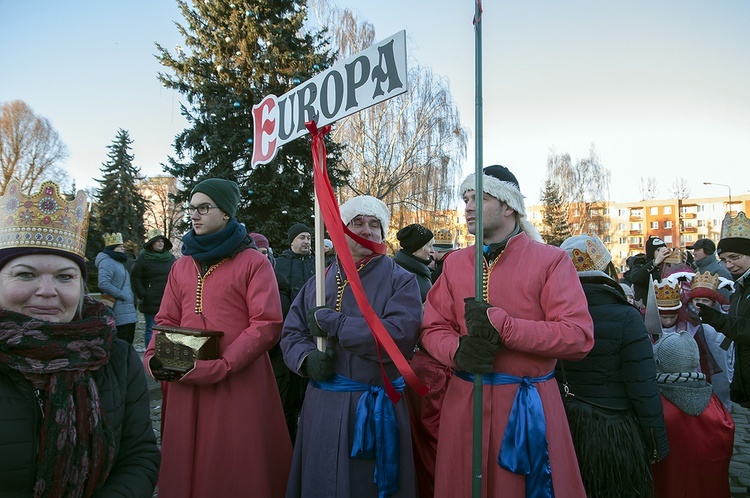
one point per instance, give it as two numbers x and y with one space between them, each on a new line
120 205
235 54
555 219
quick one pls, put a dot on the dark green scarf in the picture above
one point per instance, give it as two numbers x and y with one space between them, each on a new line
156 256
76 445
214 246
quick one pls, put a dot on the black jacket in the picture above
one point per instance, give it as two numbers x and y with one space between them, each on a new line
124 396
296 268
414 265
148 278
619 371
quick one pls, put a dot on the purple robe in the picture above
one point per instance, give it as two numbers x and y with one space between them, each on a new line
321 465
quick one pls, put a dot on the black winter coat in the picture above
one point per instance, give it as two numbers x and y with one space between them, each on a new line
124 396
148 278
414 265
619 371
296 268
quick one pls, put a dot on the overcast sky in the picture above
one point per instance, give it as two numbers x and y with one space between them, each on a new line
661 89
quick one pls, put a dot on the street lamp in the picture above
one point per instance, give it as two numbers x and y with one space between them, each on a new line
723 185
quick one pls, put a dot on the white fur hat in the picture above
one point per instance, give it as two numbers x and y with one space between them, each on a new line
366 205
501 184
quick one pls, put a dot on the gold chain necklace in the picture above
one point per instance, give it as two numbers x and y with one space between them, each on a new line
487 270
341 284
201 280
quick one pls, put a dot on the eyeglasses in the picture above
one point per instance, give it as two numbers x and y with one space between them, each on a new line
202 209
733 258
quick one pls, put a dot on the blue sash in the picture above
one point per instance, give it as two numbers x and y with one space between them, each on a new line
524 446
376 434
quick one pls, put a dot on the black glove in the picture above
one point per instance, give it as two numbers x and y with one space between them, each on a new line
475 354
312 322
477 322
710 315
160 373
319 365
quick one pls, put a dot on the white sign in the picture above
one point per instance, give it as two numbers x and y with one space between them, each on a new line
365 79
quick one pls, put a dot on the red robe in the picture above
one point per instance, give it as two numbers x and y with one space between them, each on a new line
700 449
224 433
541 314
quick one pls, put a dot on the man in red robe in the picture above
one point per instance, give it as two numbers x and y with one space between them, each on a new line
533 311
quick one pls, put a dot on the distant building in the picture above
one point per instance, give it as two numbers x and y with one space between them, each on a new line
679 223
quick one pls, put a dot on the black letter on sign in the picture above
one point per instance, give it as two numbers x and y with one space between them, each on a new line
286 116
307 111
351 85
338 94
390 73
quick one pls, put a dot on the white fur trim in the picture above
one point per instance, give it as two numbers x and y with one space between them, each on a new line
369 206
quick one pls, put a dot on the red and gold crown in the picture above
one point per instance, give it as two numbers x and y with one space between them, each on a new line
591 253
667 295
44 220
443 237
706 280
737 227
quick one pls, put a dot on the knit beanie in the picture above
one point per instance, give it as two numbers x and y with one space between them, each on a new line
651 244
260 240
369 206
676 352
295 230
225 193
501 184
414 237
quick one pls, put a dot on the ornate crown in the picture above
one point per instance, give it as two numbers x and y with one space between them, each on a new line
44 220
112 239
739 226
153 232
705 280
667 295
443 237
595 257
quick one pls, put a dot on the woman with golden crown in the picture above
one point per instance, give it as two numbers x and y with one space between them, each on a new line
74 407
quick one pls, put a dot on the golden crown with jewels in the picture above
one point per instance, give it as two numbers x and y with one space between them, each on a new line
153 232
737 227
43 220
112 239
705 280
676 256
667 295
594 257
443 237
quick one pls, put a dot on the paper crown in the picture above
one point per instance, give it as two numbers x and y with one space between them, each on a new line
153 232
443 237
737 227
44 220
112 239
676 256
667 295
587 252
706 281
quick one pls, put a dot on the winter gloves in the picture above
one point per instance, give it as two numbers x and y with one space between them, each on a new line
318 365
475 354
711 316
312 321
477 322
160 373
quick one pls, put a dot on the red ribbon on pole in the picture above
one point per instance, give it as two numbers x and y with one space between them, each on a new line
336 229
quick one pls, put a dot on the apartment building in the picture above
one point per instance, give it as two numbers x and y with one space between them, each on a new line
679 222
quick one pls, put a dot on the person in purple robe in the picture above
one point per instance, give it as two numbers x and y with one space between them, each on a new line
335 453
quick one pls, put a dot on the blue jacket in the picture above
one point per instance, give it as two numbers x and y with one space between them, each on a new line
114 280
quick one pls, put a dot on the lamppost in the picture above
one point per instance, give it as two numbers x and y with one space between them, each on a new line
723 185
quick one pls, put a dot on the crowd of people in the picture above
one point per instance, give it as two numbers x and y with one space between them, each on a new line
369 389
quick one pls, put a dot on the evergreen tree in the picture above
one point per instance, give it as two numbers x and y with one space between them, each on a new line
120 205
555 219
235 54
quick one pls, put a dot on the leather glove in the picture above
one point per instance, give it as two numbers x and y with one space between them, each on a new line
711 316
319 365
475 354
477 322
312 321
160 373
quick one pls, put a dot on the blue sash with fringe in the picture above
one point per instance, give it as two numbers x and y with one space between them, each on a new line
376 434
524 446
